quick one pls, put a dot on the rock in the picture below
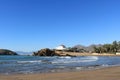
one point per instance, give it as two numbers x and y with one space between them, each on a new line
7 52
70 55
45 52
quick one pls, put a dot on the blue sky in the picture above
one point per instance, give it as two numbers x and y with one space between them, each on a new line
29 25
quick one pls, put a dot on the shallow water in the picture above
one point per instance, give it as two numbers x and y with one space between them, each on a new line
36 64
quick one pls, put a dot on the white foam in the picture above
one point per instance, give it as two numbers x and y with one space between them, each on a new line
75 60
66 57
91 57
105 65
78 68
36 61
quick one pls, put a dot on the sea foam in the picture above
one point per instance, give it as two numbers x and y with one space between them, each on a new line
35 61
74 60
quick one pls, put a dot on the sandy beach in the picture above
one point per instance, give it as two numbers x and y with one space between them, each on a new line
111 73
87 54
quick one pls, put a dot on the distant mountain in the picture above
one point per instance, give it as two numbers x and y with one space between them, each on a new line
80 46
87 48
23 53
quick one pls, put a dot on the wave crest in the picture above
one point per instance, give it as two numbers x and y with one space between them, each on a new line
36 61
75 60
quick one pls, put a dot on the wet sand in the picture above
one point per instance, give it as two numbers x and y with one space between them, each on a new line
111 73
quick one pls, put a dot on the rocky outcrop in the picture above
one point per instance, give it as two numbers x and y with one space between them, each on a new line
45 52
7 52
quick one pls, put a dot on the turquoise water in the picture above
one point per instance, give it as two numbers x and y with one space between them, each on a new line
36 64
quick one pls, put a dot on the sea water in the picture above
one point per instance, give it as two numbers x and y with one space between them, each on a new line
37 64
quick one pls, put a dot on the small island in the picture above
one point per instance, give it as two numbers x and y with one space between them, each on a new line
7 52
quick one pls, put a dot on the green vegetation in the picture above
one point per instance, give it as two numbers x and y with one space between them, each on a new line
112 48
108 48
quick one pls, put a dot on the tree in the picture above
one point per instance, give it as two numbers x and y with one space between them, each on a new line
118 45
115 46
107 48
96 50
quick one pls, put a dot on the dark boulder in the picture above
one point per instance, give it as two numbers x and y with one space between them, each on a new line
45 52
70 55
7 52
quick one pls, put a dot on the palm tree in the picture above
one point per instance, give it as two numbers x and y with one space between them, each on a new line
115 46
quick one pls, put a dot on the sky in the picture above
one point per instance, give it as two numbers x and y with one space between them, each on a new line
29 25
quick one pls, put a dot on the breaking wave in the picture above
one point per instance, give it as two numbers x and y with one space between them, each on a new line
75 60
36 61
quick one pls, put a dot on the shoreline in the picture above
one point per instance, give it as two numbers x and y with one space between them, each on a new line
86 54
109 73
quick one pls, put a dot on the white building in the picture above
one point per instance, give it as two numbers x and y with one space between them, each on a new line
61 47
118 53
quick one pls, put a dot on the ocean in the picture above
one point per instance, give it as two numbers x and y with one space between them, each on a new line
37 64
